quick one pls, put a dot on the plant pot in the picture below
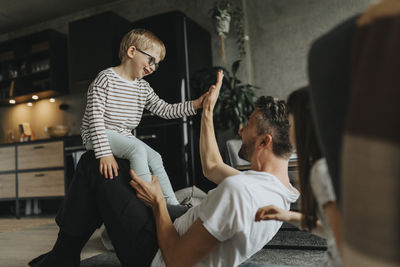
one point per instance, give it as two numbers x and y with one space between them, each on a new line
222 24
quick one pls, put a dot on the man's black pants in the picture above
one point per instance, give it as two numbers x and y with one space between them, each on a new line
92 200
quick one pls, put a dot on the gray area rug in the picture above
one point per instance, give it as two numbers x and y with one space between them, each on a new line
289 239
289 247
106 259
290 257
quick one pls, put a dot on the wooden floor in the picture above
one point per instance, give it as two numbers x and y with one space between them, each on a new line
23 239
9 224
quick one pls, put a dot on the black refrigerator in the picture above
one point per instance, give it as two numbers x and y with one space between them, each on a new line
188 47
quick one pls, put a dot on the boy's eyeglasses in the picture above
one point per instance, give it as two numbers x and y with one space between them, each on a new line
152 60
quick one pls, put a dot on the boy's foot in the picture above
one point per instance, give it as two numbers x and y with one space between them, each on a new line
176 211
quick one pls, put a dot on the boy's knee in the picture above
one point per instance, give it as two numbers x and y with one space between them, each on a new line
155 158
137 150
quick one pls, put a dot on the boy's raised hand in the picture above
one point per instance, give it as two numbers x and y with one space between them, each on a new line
108 167
198 103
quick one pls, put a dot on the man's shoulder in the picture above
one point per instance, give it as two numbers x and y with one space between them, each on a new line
255 183
247 178
234 180
240 182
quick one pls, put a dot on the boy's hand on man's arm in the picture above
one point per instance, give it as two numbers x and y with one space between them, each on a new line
198 103
108 167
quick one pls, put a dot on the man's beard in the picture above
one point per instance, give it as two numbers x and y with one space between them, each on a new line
246 151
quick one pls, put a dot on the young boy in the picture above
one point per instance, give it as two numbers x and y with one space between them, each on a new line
115 103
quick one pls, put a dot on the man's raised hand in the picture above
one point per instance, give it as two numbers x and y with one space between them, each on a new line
213 93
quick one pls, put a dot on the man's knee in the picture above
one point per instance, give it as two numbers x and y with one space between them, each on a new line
87 165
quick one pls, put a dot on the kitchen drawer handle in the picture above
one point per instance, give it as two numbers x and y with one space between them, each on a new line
39 175
38 147
145 137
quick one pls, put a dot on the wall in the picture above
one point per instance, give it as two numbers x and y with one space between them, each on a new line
280 32
42 114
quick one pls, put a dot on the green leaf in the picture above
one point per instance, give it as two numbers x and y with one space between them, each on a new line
235 67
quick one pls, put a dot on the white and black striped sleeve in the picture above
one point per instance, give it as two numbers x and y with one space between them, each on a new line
97 96
166 110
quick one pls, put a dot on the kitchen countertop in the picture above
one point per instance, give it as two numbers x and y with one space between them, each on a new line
70 141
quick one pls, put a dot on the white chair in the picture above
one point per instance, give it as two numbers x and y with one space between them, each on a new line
233 147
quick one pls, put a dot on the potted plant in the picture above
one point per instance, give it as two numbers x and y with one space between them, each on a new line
223 13
236 99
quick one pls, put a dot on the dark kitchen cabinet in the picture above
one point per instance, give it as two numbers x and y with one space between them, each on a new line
35 64
94 45
188 50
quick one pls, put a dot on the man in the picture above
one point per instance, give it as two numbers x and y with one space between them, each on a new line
221 231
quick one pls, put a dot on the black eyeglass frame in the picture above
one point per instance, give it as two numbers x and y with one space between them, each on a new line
152 60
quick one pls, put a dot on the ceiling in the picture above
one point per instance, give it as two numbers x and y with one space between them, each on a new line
15 14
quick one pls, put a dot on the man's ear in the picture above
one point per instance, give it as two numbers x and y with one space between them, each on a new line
266 140
131 51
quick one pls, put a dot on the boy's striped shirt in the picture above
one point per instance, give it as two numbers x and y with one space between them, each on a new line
117 104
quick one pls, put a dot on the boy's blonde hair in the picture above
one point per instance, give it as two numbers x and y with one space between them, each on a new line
141 39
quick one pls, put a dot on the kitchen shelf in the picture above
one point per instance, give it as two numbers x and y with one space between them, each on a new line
32 76
32 65
44 53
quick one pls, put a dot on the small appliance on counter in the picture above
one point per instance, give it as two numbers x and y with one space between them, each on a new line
57 131
25 131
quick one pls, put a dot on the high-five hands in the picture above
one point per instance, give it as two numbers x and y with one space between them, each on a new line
199 102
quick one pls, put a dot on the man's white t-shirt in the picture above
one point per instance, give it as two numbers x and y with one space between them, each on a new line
228 213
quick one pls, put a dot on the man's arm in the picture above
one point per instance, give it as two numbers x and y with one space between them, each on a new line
213 166
185 250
